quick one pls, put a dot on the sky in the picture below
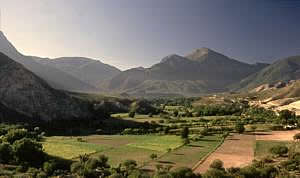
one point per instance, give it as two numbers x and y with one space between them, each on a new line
134 33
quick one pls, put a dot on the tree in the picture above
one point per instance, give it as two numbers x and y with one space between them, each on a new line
185 133
131 114
239 127
175 113
287 116
153 156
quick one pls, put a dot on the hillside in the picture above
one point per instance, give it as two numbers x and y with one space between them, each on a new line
282 70
56 78
22 93
203 71
88 70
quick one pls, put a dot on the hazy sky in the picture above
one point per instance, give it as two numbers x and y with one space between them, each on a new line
132 33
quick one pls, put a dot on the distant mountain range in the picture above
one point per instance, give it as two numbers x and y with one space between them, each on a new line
24 95
60 74
282 70
201 72
88 70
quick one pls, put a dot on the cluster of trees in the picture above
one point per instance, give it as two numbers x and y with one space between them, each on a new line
22 148
220 110
181 101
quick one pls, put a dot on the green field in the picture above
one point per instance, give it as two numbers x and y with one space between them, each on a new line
116 147
188 155
262 147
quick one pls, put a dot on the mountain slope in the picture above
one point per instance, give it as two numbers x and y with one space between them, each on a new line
88 70
282 70
203 71
56 78
24 94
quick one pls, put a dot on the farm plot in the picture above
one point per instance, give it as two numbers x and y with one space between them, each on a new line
117 147
277 135
236 151
188 155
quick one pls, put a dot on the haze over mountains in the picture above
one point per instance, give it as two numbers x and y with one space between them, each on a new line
203 71
59 77
24 95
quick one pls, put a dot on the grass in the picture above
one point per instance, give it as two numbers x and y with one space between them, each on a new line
262 147
161 143
69 148
116 147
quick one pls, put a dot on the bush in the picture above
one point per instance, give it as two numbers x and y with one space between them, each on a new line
183 172
239 127
153 156
185 133
217 164
131 114
279 150
15 134
29 152
297 136
204 132
6 153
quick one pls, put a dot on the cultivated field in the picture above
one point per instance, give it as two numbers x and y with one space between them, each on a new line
187 155
117 147
237 150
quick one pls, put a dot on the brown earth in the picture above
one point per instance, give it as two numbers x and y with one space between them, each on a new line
277 135
236 151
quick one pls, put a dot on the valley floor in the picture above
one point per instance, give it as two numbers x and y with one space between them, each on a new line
239 150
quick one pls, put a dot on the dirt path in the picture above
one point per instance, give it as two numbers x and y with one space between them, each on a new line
236 151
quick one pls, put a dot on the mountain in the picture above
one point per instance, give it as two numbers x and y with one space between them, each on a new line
56 78
24 95
203 71
88 70
282 70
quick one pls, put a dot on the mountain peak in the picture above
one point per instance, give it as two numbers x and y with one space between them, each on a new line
171 58
201 53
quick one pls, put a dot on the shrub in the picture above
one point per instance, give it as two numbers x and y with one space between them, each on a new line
297 136
29 152
279 150
15 134
185 133
131 114
153 156
204 132
239 127
217 164
183 172
6 153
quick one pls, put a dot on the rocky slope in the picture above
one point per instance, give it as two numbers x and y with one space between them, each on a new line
280 71
22 93
56 78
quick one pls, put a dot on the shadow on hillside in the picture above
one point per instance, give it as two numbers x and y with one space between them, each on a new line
165 162
195 146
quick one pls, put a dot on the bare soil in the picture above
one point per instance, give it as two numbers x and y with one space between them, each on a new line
236 151
277 135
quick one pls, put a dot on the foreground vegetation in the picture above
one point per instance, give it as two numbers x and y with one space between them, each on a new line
157 138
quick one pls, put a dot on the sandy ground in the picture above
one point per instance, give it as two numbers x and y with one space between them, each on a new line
277 135
236 151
